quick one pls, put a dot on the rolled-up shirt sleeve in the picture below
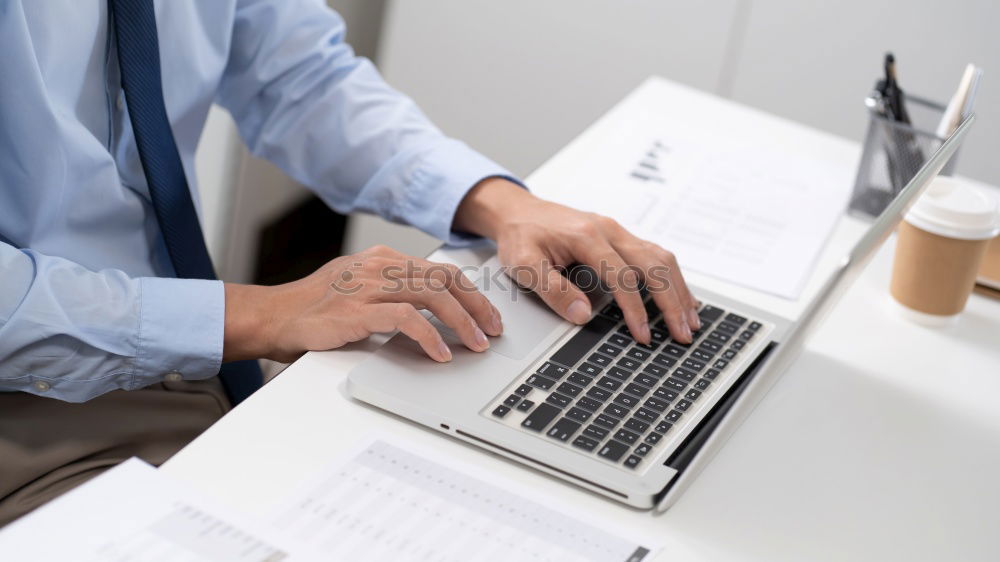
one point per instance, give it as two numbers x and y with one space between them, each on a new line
73 334
302 99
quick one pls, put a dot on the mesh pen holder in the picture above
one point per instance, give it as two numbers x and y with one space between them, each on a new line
893 153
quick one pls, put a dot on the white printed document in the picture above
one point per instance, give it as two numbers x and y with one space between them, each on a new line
736 194
386 504
133 513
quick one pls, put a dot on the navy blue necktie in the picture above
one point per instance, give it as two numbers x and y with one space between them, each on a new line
139 59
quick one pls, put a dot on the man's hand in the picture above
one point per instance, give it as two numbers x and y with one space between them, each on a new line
352 297
537 238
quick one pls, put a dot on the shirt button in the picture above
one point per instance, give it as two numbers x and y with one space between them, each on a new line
173 376
42 386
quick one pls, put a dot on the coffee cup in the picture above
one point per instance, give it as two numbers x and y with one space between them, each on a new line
989 270
939 248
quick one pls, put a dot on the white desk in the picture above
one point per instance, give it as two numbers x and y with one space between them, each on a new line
881 443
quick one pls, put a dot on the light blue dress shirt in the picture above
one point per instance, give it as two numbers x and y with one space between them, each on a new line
87 299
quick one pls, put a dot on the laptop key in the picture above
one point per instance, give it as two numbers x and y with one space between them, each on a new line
606 421
728 328
588 369
720 364
609 350
637 426
632 461
588 403
710 346
674 351
552 370
639 355
738 345
525 405
609 383
675 384
735 319
683 405
754 326
599 360
711 374
654 438
613 450
501 411
595 432
665 394
583 341
702 354
729 354
628 363
621 340
646 380
720 337
646 415
598 393
710 313
626 400
672 416
693 395
658 336
663 427
619 373
684 374
637 390
626 436
541 382
559 400
655 370
665 360
523 390
617 410
541 417
511 400
578 414
569 389
702 384
563 429
642 449
693 364
656 404
585 443
579 379
651 346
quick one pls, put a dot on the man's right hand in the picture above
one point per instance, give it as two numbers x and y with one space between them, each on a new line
351 298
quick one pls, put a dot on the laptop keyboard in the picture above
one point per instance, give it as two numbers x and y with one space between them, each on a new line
604 394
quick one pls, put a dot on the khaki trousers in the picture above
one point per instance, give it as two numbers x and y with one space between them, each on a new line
48 447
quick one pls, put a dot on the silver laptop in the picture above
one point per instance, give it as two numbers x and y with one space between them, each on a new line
588 404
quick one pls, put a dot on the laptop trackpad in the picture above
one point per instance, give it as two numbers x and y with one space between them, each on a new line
526 319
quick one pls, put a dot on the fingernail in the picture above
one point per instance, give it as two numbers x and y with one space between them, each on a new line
644 332
495 323
693 319
578 312
481 340
445 351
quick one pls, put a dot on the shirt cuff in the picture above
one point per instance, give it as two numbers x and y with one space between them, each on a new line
181 329
444 177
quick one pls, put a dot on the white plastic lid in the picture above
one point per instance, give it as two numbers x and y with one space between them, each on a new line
953 208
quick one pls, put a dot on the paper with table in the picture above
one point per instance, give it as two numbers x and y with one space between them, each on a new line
683 169
381 502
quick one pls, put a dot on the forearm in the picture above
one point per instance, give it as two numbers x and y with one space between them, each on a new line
72 334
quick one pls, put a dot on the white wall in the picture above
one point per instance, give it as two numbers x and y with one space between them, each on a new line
519 78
